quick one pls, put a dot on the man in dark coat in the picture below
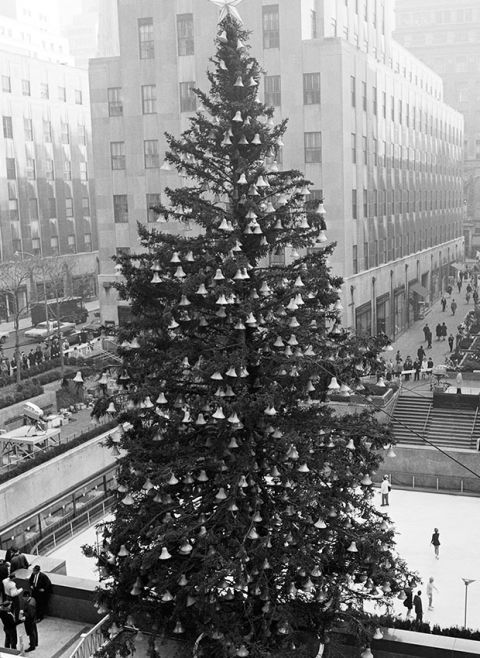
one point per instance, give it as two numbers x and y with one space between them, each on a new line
41 588
18 561
30 614
417 604
4 571
9 625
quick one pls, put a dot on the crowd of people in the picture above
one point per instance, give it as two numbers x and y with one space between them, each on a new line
22 605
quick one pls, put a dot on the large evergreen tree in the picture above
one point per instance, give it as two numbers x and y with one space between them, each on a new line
244 519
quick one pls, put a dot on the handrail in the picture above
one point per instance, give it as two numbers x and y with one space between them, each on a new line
91 641
473 427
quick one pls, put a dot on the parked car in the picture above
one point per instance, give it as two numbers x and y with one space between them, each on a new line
95 327
4 335
45 330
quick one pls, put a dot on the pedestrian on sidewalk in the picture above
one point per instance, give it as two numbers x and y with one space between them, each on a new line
421 353
459 381
438 331
430 363
417 366
430 588
444 331
408 365
429 339
30 614
449 290
459 285
453 306
398 357
443 302
9 625
435 541
417 604
397 369
426 331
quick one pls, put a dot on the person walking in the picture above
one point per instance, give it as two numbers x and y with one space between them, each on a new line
451 340
429 339
385 489
408 365
430 588
426 331
417 366
30 613
41 587
444 331
438 331
453 306
421 353
9 625
459 285
435 541
459 380
443 302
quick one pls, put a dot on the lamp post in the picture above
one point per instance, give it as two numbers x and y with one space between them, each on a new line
467 581
45 300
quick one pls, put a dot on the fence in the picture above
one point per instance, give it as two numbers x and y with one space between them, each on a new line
433 482
90 642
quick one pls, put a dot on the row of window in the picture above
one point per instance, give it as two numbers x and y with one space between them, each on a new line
378 203
44 90
49 168
185 33
389 249
36 244
15 214
47 134
404 113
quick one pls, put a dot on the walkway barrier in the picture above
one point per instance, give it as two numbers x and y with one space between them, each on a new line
433 482
90 642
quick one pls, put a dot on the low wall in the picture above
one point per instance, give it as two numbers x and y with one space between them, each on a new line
48 481
425 467
46 399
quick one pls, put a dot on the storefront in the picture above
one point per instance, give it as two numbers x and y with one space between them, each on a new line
399 314
383 314
363 320
418 297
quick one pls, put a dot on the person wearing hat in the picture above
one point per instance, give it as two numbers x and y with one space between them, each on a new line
9 625
41 588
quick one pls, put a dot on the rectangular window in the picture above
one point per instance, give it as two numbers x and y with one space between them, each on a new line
149 99
67 170
313 24
26 87
400 111
52 207
30 173
374 101
188 100
62 94
83 172
271 26
365 203
69 207
354 148
33 207
311 88
145 38
364 96
78 97
47 131
65 133
151 154
71 242
375 151
384 104
115 103
82 133
86 206
49 170
364 149
313 146
6 84
354 205
273 92
36 247
44 91
353 90
13 210
355 258
54 243
120 208
365 255
11 168
392 108
153 200
117 155
28 128
7 127
87 238
185 41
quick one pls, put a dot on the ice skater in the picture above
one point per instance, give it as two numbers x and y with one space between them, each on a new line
385 489
417 604
430 588
435 541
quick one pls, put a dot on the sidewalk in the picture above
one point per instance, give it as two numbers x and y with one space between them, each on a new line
409 342
26 323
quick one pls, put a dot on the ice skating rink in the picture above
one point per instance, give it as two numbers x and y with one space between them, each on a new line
415 514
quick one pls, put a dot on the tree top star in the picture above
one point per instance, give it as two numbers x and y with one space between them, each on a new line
228 7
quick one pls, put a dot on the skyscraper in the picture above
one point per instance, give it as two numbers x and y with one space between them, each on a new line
367 125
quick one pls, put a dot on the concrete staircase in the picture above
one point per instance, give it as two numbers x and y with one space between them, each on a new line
415 418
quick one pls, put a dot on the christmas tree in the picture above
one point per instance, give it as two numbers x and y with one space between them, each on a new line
244 520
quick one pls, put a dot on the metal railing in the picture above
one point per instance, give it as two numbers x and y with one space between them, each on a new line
433 482
90 642
70 528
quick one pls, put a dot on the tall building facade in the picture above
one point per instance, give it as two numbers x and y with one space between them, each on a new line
445 34
367 125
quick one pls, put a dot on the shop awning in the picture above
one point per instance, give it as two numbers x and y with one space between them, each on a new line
458 266
420 290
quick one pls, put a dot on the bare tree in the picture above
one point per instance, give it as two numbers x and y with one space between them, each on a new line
14 278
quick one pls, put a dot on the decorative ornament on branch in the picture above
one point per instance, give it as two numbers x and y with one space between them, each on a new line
228 7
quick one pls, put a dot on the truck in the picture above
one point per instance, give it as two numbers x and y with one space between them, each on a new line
71 309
